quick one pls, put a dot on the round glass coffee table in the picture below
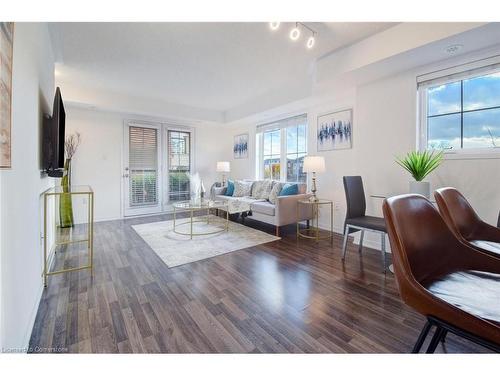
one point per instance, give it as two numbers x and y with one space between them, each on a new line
195 206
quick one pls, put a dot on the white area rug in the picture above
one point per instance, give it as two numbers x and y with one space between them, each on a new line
176 249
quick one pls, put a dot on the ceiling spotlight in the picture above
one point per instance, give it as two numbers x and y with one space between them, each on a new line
310 42
274 25
295 33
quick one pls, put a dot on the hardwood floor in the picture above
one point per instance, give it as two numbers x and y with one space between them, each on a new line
286 296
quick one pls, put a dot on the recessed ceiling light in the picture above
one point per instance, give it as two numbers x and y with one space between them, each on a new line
295 33
454 48
274 25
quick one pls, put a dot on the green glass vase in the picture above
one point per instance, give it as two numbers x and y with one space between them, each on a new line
65 202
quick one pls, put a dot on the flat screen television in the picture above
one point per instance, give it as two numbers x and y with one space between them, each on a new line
53 138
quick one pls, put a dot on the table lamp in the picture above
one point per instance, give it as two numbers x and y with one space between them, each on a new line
314 164
224 167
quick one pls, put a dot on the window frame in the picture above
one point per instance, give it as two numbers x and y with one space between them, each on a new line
422 112
281 125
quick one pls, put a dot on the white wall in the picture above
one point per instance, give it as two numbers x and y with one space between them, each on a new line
20 223
384 126
98 161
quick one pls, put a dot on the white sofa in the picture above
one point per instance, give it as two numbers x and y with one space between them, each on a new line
284 212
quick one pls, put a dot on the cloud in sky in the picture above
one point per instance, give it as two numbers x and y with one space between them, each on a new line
481 128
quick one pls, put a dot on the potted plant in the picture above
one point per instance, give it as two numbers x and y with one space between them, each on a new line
420 164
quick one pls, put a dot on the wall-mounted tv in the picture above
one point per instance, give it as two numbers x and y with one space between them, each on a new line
53 138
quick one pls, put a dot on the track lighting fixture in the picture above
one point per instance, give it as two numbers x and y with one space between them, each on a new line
310 42
274 25
296 32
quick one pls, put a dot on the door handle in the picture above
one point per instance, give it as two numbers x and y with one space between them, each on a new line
125 175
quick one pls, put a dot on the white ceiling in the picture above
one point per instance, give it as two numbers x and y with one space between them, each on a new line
214 66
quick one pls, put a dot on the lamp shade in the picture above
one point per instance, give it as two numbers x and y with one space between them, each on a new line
223 166
314 164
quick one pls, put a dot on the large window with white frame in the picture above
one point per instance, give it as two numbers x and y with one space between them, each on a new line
460 112
282 147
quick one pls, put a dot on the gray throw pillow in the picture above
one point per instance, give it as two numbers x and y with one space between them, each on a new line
275 191
242 188
261 189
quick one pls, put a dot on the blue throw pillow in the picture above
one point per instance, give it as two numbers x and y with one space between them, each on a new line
289 189
230 188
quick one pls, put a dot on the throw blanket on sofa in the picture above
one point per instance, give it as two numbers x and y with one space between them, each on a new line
239 205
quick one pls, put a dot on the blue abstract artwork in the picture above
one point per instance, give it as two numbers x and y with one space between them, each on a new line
335 131
240 148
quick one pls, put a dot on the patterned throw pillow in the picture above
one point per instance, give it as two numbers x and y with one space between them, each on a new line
242 188
275 191
261 189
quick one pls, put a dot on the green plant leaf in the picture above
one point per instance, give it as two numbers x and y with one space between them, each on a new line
420 163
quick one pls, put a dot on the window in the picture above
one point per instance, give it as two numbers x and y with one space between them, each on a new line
283 146
272 154
462 111
179 165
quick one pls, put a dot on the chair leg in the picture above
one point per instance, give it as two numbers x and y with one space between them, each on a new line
277 231
440 331
361 237
344 246
384 267
422 337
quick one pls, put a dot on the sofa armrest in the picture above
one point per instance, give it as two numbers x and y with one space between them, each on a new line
286 209
220 190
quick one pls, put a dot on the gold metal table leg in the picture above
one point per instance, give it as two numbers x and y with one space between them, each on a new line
191 225
45 240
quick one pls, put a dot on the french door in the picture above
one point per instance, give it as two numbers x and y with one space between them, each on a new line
142 166
179 164
157 162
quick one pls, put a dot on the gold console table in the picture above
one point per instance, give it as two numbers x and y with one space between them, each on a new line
58 192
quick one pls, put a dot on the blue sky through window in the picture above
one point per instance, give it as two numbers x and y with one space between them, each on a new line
480 116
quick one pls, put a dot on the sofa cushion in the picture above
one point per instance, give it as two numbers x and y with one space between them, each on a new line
275 191
289 189
265 208
230 188
261 189
242 188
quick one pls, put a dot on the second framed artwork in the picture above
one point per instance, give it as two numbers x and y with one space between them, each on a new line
335 130
240 147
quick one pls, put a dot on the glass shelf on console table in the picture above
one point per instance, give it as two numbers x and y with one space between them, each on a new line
313 231
71 234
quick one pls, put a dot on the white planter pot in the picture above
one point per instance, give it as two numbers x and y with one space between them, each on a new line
420 187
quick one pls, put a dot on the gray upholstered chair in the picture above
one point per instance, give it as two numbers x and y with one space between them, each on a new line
356 220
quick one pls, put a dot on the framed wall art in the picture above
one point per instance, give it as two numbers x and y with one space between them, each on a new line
335 130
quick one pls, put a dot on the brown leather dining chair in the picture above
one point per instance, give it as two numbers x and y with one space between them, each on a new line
465 223
456 287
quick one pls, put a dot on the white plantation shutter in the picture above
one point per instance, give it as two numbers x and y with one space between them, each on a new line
143 166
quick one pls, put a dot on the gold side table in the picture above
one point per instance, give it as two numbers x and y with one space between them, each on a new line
313 232
60 192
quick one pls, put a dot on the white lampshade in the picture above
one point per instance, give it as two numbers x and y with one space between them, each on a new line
314 164
223 166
